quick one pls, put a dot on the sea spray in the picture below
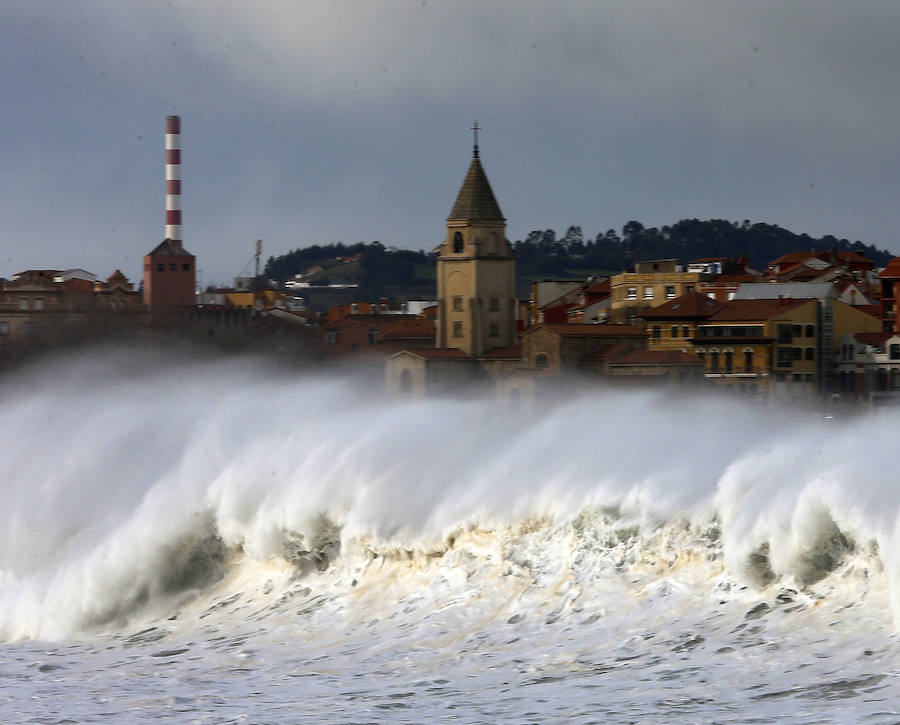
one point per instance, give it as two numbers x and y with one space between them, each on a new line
136 483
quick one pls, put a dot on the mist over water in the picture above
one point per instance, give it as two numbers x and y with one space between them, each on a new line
147 490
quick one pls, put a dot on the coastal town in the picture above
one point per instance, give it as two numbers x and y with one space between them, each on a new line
815 327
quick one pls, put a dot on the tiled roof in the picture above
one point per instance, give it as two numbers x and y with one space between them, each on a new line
736 310
476 201
408 328
657 357
873 310
792 258
440 353
586 330
892 271
875 339
690 304
608 352
168 248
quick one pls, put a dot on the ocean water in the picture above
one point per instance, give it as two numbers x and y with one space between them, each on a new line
209 541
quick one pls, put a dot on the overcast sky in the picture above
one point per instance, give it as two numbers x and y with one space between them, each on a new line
317 122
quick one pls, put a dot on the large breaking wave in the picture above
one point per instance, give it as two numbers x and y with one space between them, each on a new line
137 486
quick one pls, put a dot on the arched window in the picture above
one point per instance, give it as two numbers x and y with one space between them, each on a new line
458 242
540 360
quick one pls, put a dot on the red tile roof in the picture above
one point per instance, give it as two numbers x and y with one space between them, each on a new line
875 339
416 327
688 305
588 330
892 271
736 310
607 352
439 353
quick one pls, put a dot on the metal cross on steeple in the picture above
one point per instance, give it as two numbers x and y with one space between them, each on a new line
476 128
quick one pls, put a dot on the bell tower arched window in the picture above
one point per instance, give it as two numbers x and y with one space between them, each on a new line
457 242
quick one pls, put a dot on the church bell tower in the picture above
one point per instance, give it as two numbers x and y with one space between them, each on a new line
476 270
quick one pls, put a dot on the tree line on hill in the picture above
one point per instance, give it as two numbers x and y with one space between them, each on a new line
542 252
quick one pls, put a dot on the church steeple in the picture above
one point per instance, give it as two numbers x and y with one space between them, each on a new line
476 269
475 201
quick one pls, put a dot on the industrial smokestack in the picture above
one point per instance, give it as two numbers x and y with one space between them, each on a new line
173 179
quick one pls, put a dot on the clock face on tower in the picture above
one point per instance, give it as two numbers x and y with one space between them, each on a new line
458 242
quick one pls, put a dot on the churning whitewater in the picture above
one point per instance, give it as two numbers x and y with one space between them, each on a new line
214 541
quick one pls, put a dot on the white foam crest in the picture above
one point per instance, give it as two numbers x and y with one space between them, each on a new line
126 471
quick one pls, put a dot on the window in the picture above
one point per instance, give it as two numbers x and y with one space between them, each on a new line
493 304
493 331
657 332
540 360
331 337
631 293
457 304
373 336
172 266
797 378
648 293
784 357
810 353
729 361
457 329
160 266
685 331
798 353
30 329
186 267
810 330
458 242
689 288
748 361
674 331
895 352
23 303
38 303
4 328
798 330
670 292
714 362
784 334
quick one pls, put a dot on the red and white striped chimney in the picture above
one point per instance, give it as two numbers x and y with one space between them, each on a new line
173 179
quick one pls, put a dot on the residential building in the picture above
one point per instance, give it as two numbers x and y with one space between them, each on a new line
652 283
